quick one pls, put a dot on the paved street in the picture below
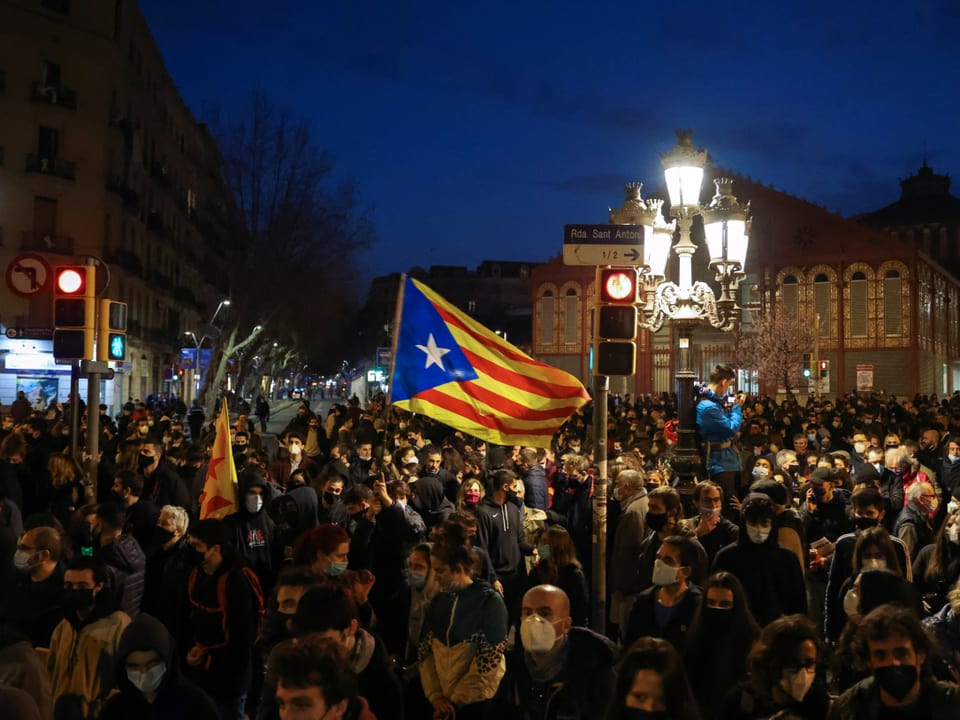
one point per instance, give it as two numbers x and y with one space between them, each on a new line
282 411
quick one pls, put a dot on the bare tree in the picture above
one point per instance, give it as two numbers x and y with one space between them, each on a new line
775 349
300 234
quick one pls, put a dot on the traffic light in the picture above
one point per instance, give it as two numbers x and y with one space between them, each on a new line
112 331
808 365
616 331
824 368
74 314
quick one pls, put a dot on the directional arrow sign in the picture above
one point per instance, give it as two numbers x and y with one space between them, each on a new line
602 245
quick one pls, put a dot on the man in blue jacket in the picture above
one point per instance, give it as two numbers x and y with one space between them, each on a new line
718 422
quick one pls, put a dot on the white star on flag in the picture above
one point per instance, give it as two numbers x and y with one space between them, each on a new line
434 353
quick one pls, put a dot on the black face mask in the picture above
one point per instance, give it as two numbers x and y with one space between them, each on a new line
656 521
117 498
194 556
717 617
144 462
512 497
275 626
77 599
330 498
638 714
163 535
865 523
897 680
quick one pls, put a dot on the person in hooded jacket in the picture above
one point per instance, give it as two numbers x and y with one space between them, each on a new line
557 670
502 537
123 554
430 501
150 684
771 576
254 533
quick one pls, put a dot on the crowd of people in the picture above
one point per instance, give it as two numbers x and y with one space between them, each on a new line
381 565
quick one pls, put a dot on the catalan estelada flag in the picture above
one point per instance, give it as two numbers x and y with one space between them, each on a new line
219 496
449 367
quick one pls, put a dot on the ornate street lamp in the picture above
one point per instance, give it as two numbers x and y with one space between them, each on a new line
686 303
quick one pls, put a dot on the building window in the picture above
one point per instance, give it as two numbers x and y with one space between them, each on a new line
892 320
48 145
571 319
546 318
790 296
44 216
858 305
821 304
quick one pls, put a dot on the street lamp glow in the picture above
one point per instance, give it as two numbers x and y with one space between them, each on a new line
683 171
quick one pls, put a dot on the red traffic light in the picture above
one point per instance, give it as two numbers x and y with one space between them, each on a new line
618 285
823 364
70 281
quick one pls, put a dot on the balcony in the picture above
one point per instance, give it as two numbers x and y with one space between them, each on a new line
46 242
125 260
131 200
55 94
56 167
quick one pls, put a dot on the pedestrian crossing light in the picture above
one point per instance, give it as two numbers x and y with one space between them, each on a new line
616 330
74 313
112 331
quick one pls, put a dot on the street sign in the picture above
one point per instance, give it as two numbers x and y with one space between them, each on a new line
864 378
21 333
602 245
383 356
27 274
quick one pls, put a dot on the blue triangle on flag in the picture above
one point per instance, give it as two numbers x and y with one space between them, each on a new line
427 354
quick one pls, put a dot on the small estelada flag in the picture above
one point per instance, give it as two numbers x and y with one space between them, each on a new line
219 496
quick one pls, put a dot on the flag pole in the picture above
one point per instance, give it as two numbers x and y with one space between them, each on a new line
397 319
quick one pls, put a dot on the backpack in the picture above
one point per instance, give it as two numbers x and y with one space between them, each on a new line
259 606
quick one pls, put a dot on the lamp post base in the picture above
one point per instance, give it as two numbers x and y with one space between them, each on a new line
685 458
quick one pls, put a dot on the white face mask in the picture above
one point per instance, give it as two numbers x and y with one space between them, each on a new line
953 535
294 449
709 511
860 447
537 634
797 683
851 605
952 507
253 503
758 535
149 680
21 560
663 574
760 473
875 564
953 458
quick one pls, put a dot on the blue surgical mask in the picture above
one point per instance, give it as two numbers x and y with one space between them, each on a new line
953 458
416 580
336 568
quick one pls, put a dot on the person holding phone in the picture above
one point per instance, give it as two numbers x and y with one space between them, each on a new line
718 424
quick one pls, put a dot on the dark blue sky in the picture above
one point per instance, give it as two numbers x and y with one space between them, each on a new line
477 130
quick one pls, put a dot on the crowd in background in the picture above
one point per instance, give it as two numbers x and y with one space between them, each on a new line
380 565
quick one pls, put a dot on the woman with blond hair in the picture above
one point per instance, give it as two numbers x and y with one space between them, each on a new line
66 489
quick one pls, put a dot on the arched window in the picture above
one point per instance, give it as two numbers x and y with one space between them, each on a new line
571 317
858 305
546 318
892 320
790 296
821 303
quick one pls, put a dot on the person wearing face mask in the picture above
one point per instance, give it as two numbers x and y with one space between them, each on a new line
664 513
868 510
324 549
949 470
890 641
914 524
141 514
825 519
771 576
36 604
253 532
169 564
652 684
666 609
331 508
162 485
122 554
628 540
306 501
84 644
557 670
712 530
783 675
465 632
937 567
150 684
224 598
501 535
719 641
558 565
291 459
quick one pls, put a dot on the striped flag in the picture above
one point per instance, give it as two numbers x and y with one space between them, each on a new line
449 367
219 496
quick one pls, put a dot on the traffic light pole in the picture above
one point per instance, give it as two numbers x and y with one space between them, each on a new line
93 432
74 409
601 391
